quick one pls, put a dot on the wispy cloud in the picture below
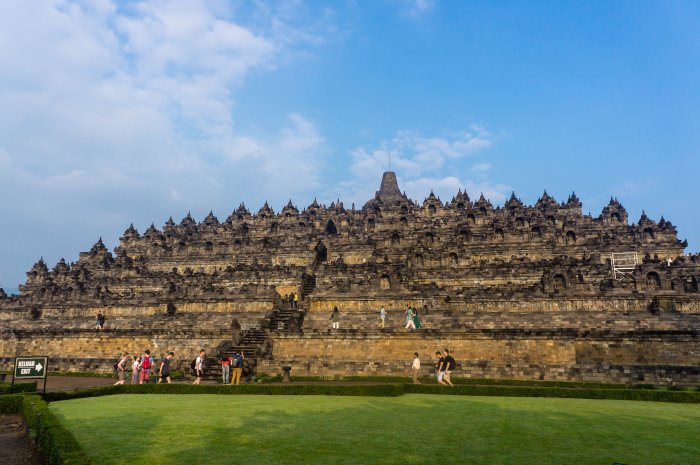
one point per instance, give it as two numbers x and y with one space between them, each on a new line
413 8
415 154
481 168
422 164
120 111
139 89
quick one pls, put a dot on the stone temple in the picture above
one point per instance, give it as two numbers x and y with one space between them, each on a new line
515 291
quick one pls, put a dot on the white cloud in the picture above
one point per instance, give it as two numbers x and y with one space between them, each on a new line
415 154
119 112
421 164
414 8
481 168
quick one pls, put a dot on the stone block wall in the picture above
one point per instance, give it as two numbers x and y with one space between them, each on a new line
75 351
324 303
499 354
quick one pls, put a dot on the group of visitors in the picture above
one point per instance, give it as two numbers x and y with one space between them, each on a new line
234 368
232 364
410 316
293 299
141 367
444 365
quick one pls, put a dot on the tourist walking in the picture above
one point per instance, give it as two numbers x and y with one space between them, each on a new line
449 365
135 366
199 367
416 319
226 367
295 300
237 363
382 317
409 319
164 370
121 367
415 368
335 318
145 367
440 367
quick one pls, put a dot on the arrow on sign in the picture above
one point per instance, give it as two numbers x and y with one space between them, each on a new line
38 367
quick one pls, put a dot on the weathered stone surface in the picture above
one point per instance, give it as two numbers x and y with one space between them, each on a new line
516 291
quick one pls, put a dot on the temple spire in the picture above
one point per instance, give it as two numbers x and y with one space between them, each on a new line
389 189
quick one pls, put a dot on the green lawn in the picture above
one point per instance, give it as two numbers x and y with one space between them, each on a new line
411 429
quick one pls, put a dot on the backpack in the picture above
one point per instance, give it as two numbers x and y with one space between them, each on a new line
146 364
193 365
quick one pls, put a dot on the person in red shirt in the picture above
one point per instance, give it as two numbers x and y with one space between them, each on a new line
226 367
145 367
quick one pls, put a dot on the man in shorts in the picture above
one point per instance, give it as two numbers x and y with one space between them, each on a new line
449 365
164 370
199 368
440 367
121 367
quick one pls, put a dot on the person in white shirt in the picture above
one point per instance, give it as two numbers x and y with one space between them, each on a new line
199 367
415 368
382 317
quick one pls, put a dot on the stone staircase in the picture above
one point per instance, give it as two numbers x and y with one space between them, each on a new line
250 346
308 285
253 340
282 315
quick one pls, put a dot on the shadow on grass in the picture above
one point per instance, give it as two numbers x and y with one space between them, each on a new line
409 430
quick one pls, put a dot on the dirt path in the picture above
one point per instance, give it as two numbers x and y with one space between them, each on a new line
15 445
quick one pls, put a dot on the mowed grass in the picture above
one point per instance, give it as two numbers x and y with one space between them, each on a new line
411 429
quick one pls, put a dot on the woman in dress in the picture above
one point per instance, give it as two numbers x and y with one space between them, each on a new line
135 370
409 319
416 318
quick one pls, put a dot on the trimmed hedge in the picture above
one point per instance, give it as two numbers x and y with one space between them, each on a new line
526 391
19 387
11 403
377 390
479 382
56 445
382 390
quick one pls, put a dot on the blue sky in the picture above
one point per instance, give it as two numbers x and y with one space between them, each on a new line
121 112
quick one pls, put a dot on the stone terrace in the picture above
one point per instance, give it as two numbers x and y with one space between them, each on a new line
519 291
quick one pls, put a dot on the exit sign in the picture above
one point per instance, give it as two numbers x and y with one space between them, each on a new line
31 367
